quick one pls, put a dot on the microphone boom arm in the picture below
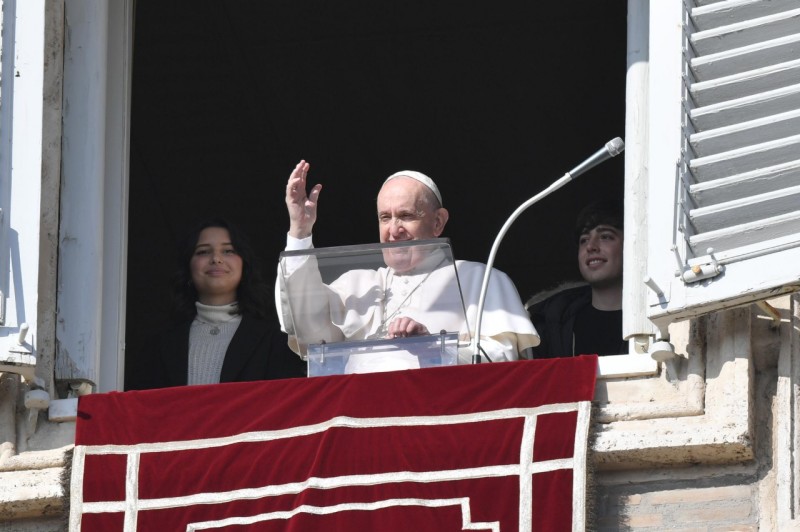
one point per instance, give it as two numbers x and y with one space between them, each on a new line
612 148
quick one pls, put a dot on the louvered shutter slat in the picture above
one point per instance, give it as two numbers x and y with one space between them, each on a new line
746 58
758 207
747 108
762 130
746 184
747 83
721 13
746 33
742 236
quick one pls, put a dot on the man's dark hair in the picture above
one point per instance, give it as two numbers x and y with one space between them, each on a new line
252 294
603 212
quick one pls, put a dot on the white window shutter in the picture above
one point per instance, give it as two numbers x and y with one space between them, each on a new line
731 161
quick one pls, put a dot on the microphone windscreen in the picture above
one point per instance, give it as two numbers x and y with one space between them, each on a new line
615 146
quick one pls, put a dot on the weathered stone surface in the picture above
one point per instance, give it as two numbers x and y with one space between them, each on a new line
31 493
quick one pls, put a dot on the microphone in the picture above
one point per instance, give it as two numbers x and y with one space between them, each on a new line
612 148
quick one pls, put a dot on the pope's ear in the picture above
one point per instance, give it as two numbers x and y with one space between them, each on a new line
440 220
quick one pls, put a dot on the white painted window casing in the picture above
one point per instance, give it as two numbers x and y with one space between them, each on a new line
94 204
5 192
724 177
22 116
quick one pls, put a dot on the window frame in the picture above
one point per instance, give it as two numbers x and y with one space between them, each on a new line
93 230
652 147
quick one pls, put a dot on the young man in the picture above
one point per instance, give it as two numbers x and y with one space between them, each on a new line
587 319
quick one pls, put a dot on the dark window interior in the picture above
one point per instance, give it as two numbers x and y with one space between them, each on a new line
493 100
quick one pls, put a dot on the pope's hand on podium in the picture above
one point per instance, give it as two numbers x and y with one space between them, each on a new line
404 326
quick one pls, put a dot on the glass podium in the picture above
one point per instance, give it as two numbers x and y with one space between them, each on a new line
342 306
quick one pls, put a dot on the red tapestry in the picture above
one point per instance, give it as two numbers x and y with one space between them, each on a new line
498 447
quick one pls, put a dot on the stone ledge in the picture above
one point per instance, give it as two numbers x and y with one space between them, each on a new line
672 442
31 493
31 485
717 425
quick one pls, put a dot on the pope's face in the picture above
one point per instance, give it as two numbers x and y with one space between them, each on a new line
405 212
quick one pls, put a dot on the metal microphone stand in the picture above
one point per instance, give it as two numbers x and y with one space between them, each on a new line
612 148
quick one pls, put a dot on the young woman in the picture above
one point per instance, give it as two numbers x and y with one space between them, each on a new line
223 331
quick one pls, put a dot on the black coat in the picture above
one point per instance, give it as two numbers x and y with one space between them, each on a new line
258 351
554 319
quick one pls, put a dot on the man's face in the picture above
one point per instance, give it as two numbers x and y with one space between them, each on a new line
600 256
404 214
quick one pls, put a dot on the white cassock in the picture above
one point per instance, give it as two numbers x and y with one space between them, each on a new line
360 304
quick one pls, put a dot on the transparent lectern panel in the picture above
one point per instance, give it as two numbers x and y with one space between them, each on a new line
355 293
370 356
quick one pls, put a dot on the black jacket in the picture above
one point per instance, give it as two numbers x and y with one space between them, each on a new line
258 351
554 319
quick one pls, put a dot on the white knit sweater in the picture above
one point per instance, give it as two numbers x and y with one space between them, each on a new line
209 336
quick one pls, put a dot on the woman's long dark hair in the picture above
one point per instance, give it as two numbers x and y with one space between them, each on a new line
252 293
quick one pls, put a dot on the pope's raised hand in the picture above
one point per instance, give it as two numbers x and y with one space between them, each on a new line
302 206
